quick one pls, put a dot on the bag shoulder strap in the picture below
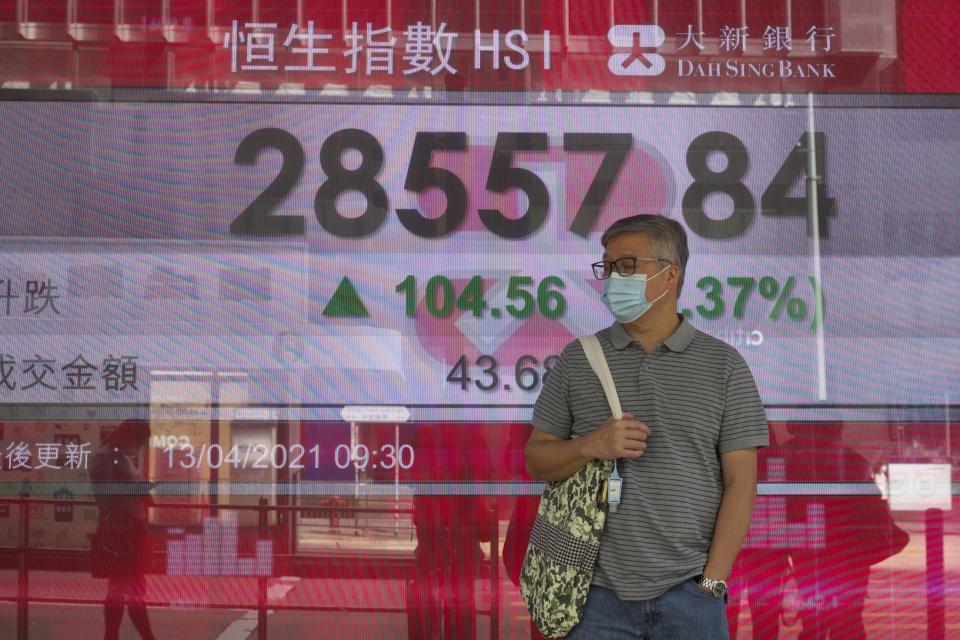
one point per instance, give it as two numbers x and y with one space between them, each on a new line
591 346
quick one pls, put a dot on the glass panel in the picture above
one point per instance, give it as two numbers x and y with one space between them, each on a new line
278 302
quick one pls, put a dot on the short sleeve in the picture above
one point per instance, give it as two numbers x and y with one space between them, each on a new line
744 422
551 413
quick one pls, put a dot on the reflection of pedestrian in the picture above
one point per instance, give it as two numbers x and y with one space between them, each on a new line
123 549
524 511
832 570
758 571
759 575
441 599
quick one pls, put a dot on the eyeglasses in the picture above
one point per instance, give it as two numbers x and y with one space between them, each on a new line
624 266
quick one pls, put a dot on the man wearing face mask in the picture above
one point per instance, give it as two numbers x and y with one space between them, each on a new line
686 447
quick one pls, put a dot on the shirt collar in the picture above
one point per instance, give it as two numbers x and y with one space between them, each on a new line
677 342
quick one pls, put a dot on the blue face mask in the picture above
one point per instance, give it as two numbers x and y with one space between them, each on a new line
626 296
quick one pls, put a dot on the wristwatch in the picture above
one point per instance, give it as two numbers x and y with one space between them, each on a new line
717 587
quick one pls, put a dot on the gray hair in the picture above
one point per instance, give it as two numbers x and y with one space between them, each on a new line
668 239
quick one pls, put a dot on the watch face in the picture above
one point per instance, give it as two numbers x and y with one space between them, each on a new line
719 589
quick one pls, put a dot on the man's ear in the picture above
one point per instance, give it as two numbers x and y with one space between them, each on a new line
673 275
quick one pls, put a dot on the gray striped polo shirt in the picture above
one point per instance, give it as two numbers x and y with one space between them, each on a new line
699 399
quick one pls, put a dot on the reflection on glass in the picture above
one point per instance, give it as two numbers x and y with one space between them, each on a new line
122 549
409 552
215 552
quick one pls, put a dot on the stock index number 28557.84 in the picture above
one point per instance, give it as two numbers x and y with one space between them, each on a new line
260 216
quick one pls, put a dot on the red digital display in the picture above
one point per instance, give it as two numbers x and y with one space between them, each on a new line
417 527
894 47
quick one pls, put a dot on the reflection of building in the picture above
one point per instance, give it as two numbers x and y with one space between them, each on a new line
774 526
215 552
190 413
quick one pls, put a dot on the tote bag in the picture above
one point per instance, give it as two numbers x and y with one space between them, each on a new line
565 540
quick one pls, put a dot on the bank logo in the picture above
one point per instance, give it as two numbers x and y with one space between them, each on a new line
637 62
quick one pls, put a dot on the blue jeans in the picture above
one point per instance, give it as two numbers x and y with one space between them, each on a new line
685 611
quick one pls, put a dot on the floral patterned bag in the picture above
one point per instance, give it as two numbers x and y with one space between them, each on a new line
558 567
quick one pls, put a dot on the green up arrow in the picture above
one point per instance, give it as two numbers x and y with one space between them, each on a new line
345 302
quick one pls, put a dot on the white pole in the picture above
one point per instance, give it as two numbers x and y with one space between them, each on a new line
814 222
396 481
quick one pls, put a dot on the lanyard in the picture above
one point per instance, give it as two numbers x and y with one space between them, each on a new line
614 485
